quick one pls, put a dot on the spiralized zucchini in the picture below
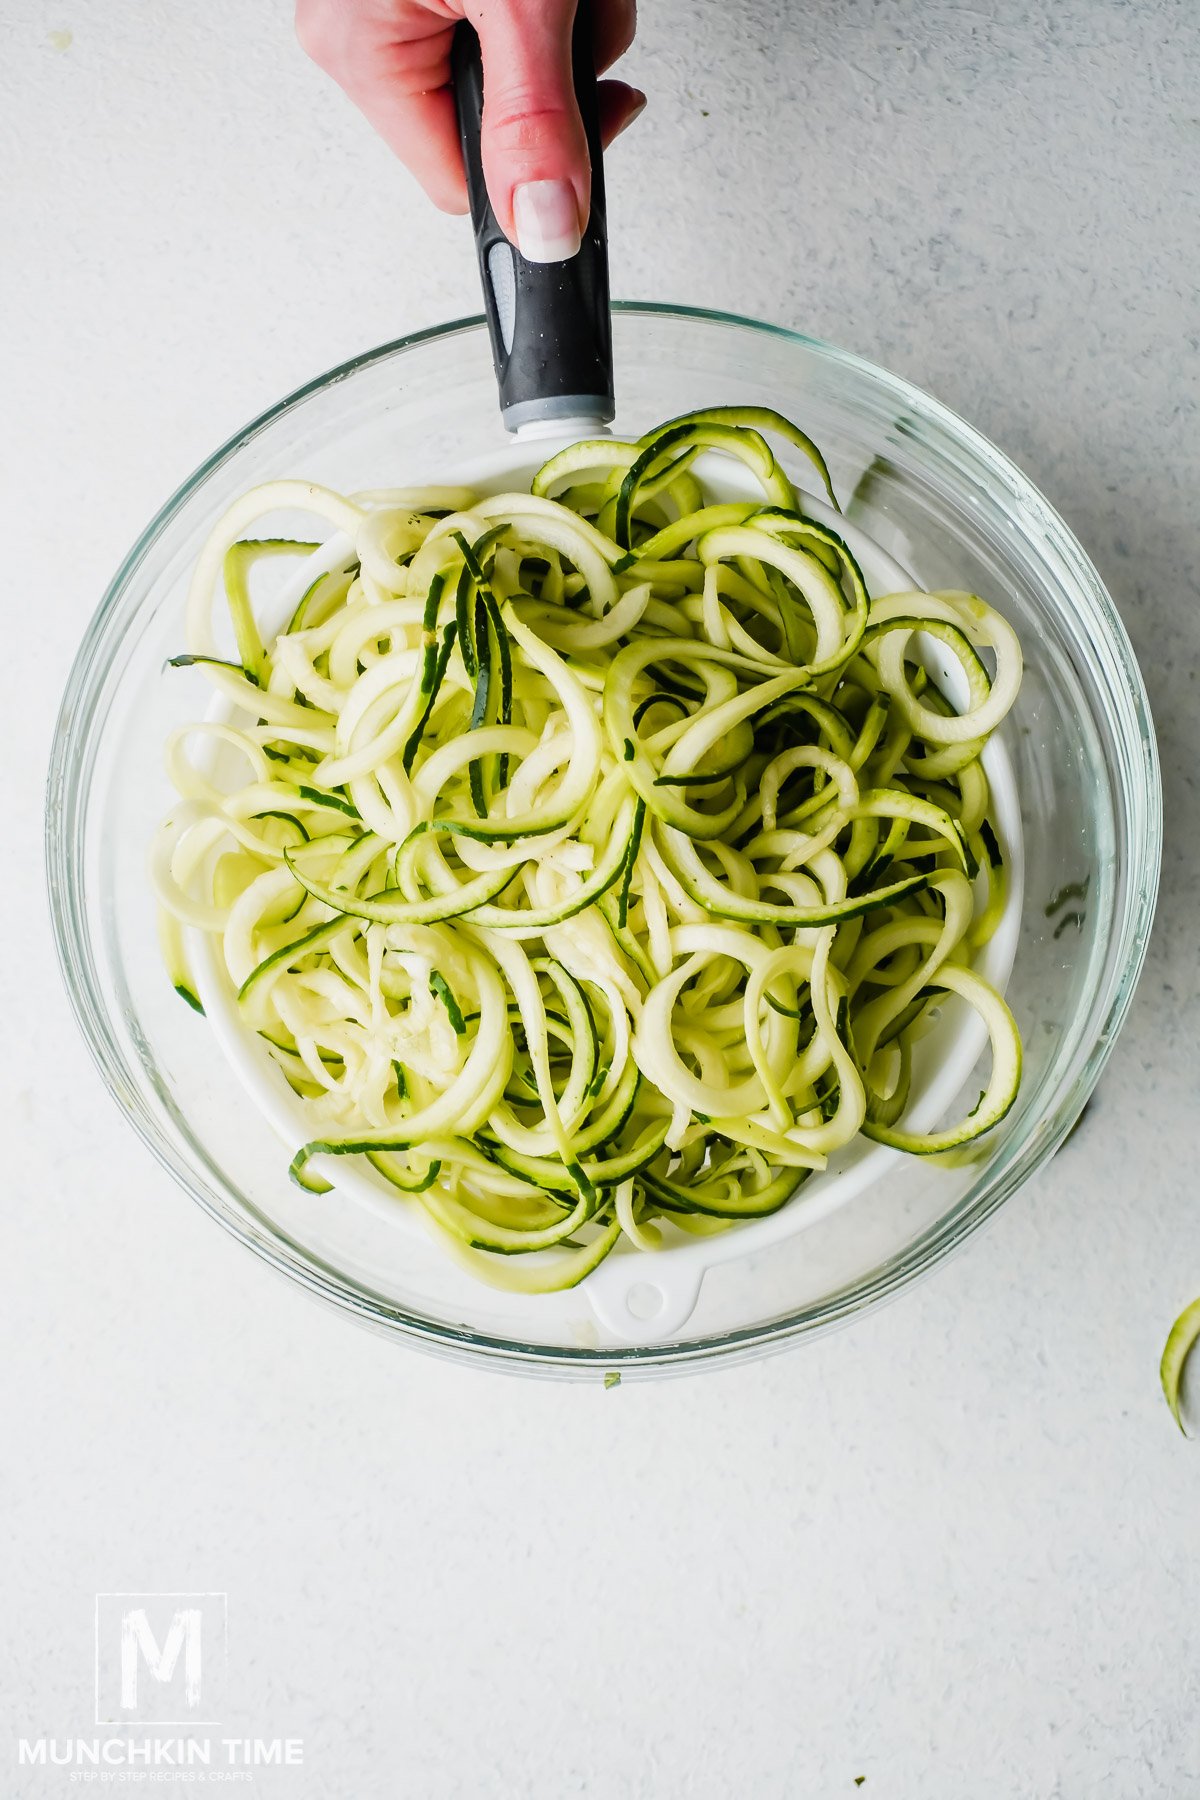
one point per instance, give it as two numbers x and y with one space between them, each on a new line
594 857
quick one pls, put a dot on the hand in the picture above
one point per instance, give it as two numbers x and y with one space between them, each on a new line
392 57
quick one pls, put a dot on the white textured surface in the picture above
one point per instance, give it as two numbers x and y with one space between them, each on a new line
952 1550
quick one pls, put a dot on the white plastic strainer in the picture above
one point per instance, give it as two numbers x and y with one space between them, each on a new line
639 1297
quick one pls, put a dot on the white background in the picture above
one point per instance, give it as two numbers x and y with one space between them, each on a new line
952 1549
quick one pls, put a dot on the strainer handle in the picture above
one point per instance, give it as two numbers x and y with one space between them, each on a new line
550 325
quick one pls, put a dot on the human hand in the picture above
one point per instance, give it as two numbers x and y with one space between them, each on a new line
392 57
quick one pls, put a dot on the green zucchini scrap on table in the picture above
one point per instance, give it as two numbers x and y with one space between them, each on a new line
596 856
1182 1339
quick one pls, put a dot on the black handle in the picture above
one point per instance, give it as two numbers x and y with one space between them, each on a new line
549 322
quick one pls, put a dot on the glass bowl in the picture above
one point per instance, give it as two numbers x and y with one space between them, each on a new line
932 492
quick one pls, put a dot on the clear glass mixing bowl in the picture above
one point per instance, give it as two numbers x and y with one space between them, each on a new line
931 491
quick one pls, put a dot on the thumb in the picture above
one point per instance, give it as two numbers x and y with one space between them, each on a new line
535 154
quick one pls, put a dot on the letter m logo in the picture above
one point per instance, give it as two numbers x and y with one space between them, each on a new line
160 1658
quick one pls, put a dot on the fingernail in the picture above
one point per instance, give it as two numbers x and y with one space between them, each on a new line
547 220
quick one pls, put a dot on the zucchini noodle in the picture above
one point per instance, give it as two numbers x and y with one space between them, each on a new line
591 860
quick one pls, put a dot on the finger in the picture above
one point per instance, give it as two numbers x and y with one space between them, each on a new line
395 69
613 25
535 156
620 105
423 131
